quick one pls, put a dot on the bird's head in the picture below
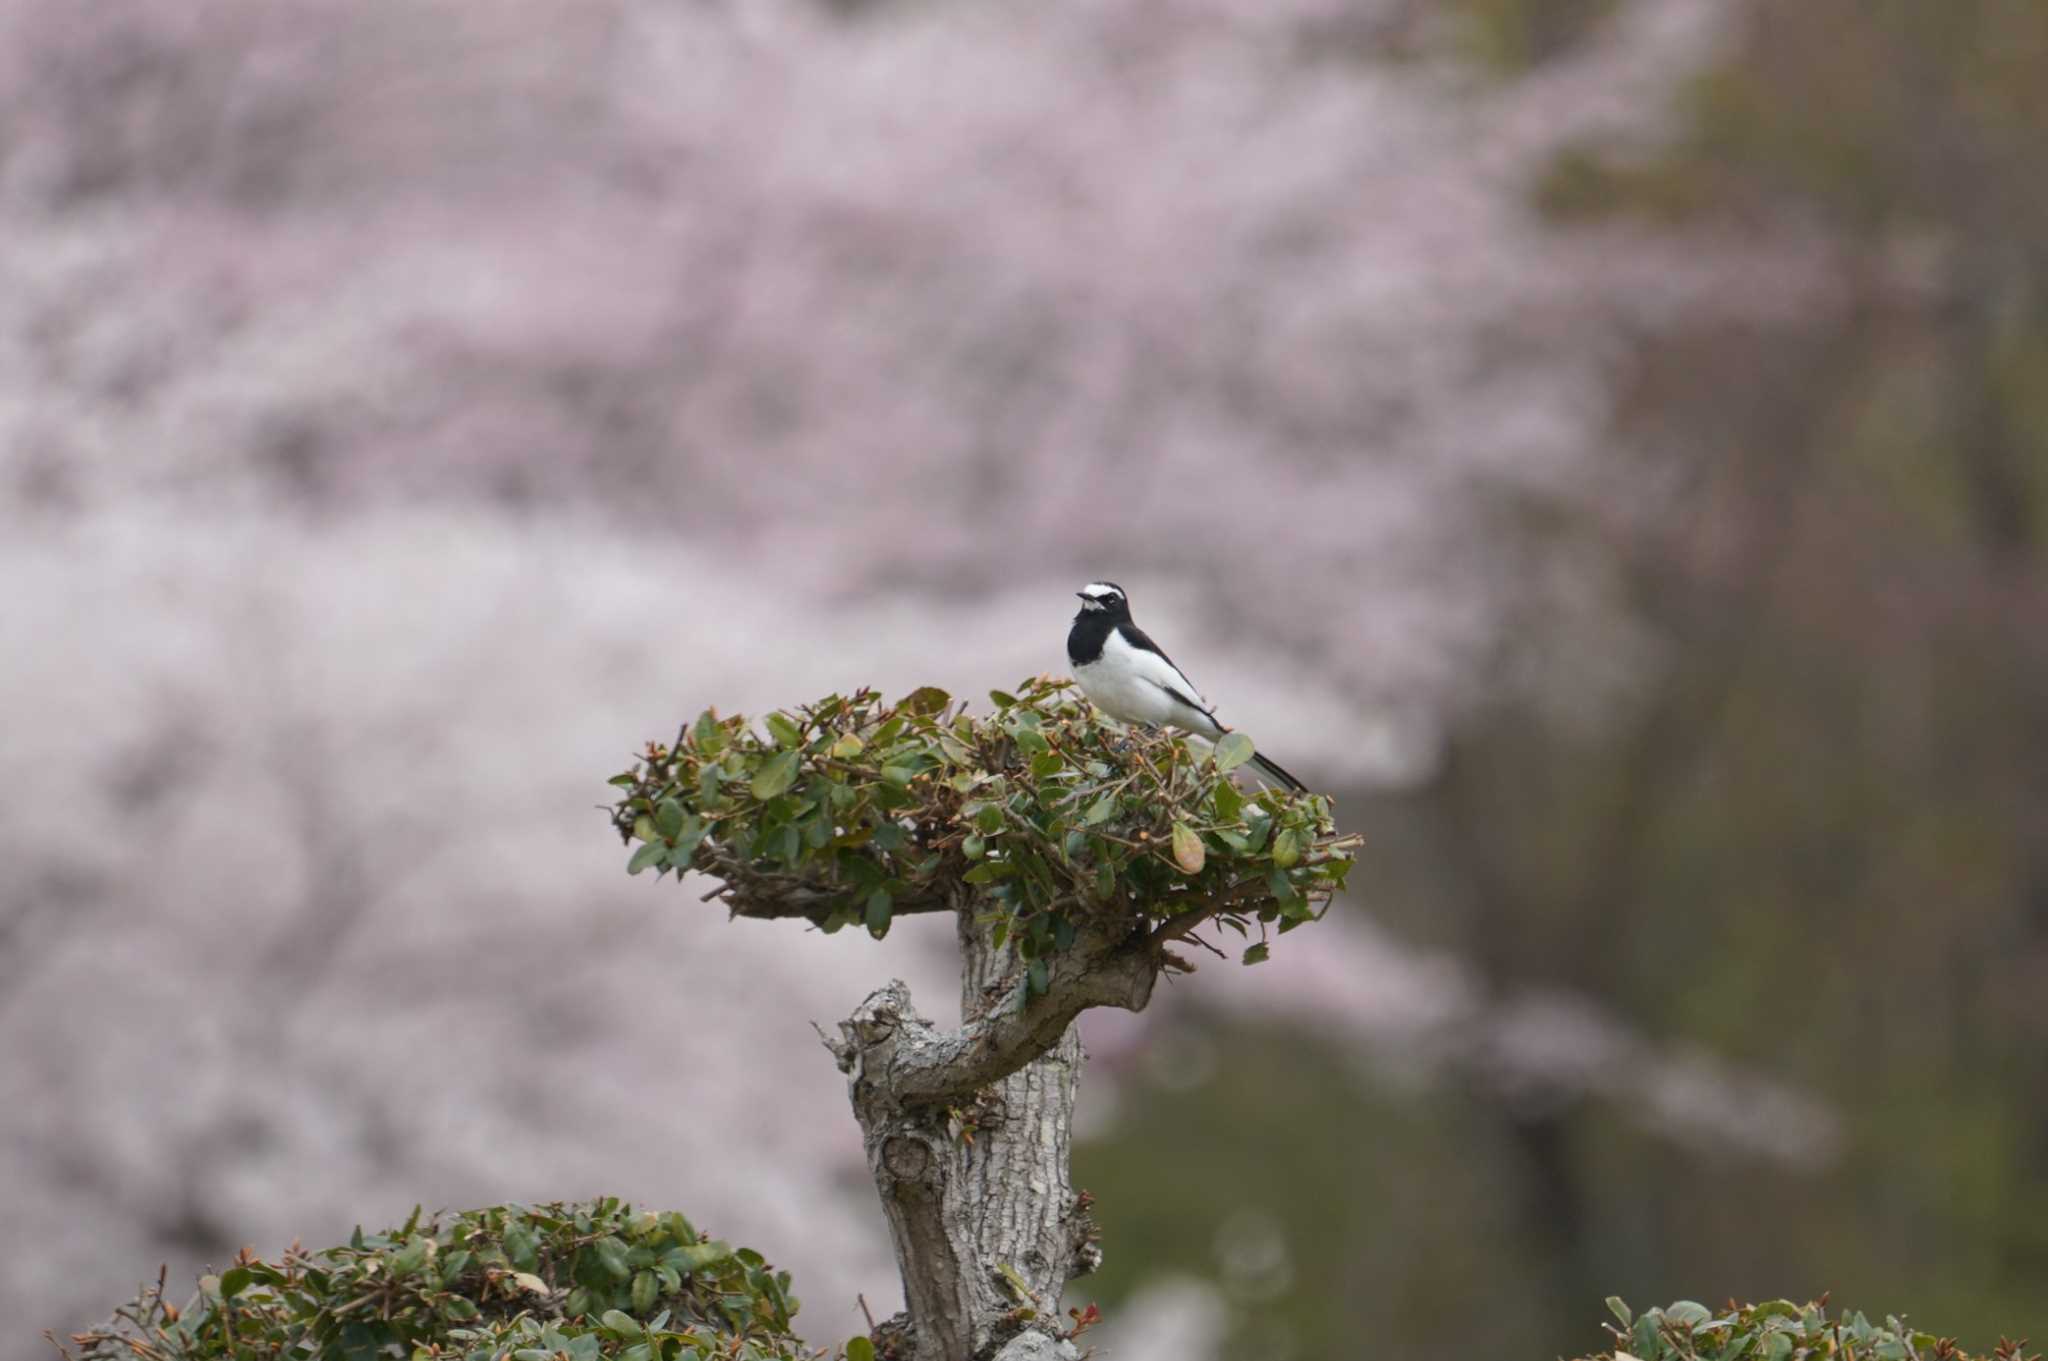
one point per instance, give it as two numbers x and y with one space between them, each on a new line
1100 598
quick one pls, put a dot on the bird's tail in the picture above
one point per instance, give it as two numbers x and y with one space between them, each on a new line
1269 770
1277 772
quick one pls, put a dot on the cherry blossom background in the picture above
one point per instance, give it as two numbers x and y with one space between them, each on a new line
406 411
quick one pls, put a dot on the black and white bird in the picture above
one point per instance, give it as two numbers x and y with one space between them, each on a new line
1131 679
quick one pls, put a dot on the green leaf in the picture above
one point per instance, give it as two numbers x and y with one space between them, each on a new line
848 745
1039 978
697 1256
859 1349
1261 824
1620 1310
361 1342
1229 801
519 1247
1286 848
1002 699
1099 811
880 906
818 832
785 733
1255 954
407 1260
1187 848
618 1321
646 855
668 818
1233 751
926 699
776 774
645 1288
234 1281
611 1258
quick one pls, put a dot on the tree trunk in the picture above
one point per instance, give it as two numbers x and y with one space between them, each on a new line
968 1135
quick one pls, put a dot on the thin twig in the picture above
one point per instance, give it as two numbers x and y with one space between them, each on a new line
1181 926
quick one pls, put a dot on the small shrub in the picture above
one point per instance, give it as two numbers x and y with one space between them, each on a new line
853 811
1777 1330
589 1282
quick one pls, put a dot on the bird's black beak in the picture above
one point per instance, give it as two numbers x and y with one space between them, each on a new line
1080 595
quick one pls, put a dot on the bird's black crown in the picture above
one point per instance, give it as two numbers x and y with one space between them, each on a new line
1100 598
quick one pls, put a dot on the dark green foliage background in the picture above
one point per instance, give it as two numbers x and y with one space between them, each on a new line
1818 843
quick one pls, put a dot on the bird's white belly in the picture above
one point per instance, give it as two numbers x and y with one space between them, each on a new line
1121 695
1124 695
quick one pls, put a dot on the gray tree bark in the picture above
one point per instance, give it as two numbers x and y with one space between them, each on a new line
968 1134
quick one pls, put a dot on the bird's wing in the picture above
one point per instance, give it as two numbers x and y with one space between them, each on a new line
1151 664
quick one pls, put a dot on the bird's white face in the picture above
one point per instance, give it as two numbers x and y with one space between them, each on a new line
1101 595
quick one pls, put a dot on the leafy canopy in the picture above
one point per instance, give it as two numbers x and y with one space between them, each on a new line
1042 814
589 1282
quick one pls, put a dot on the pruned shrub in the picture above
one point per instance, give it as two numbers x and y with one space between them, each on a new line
1777 1330
852 810
588 1282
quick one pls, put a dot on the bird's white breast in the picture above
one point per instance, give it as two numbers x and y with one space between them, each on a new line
1130 684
